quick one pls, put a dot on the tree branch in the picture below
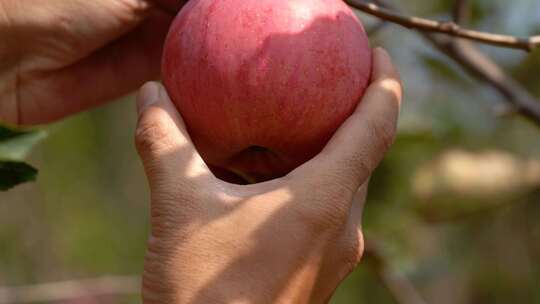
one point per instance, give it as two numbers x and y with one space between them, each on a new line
448 28
70 290
401 289
482 67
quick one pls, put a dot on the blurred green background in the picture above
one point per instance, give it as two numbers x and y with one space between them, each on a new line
454 209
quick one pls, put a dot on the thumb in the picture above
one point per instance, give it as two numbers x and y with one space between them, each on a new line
162 141
360 143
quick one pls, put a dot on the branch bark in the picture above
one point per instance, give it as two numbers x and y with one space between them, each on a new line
484 68
448 28
480 65
70 290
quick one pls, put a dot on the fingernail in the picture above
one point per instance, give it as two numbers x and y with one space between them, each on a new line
148 95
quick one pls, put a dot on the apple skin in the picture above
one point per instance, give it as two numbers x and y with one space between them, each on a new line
262 85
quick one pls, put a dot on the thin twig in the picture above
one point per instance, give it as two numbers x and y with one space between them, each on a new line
400 288
448 28
70 290
484 68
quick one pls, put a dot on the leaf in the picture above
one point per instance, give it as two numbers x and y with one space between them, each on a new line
14 147
14 173
16 144
7 133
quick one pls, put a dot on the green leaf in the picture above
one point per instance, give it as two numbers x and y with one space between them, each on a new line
16 144
8 133
14 147
14 173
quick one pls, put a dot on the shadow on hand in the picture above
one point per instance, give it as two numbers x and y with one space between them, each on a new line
274 251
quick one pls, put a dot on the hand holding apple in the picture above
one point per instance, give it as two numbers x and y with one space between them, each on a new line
60 57
288 240
263 84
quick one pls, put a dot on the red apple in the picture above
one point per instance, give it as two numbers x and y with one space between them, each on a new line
263 84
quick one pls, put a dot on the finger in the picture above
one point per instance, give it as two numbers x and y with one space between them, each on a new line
81 26
163 142
109 73
360 143
171 6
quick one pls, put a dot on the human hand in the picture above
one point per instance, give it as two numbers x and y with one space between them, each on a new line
289 240
60 57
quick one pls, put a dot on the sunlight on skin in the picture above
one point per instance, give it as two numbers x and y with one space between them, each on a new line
305 277
196 167
289 240
246 230
393 86
282 197
227 199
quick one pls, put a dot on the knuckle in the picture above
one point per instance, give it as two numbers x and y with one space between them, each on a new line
151 136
